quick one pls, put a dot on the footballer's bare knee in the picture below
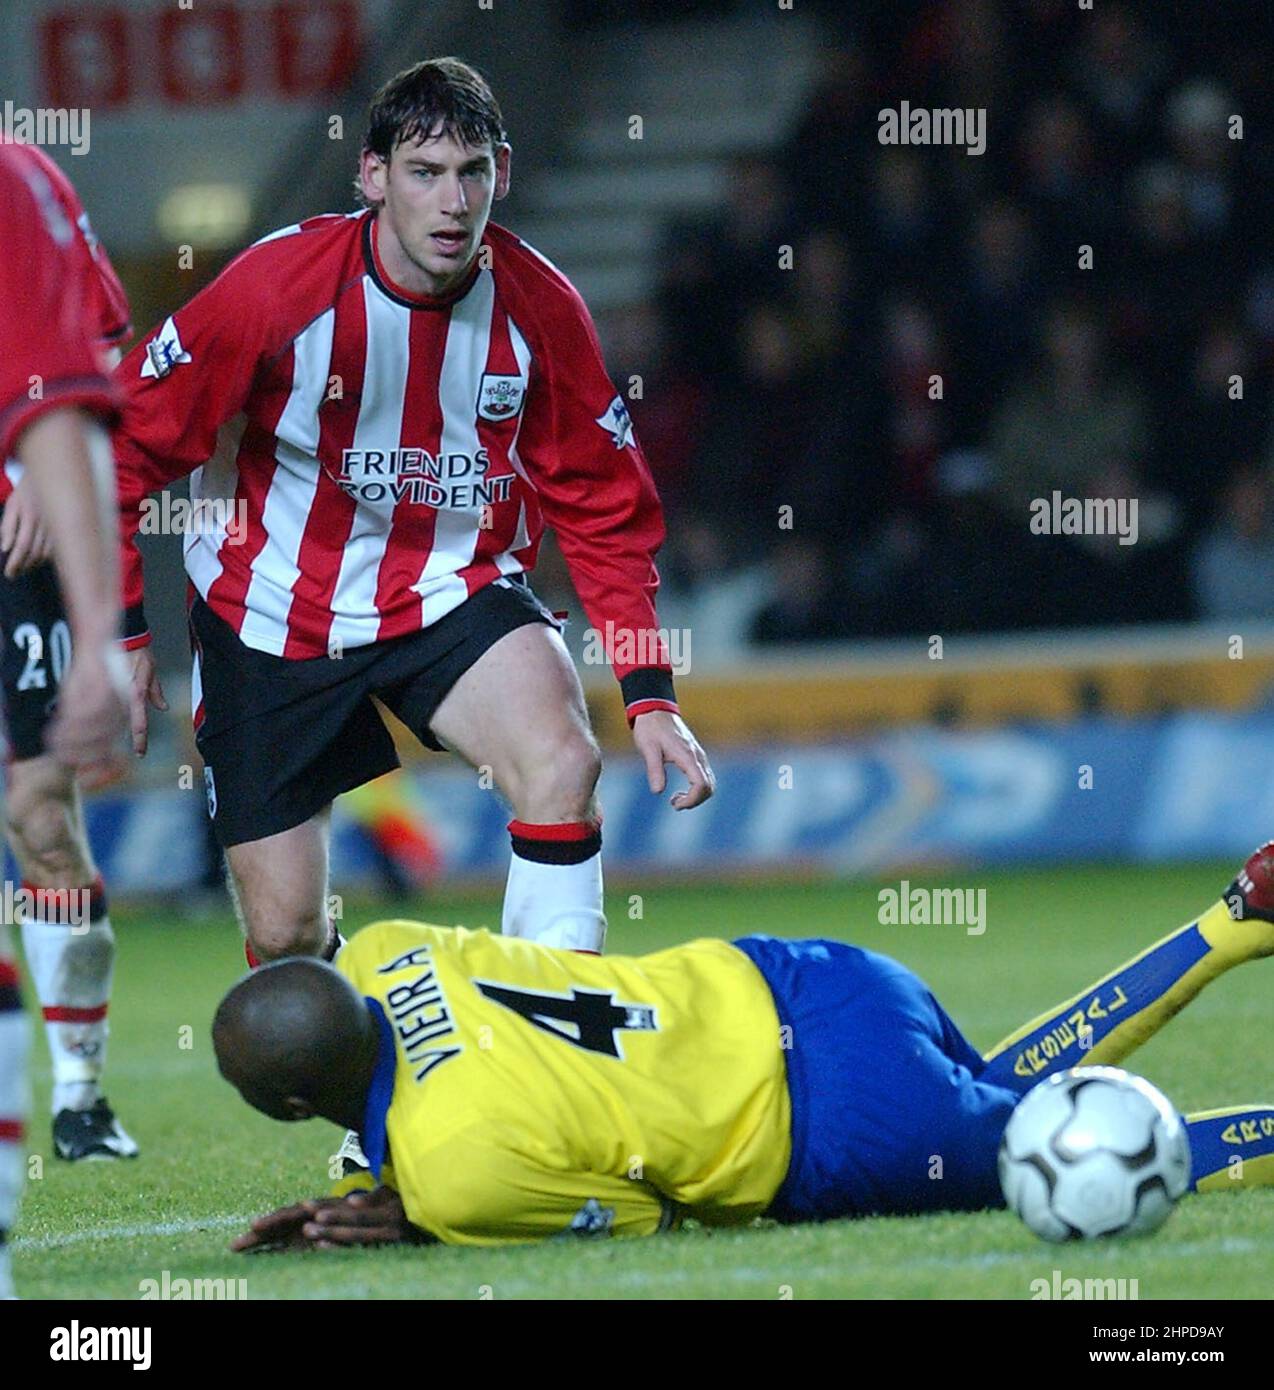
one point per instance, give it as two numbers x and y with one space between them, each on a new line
279 885
277 925
42 811
557 781
276 935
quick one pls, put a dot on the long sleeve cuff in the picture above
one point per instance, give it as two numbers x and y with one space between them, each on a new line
135 633
92 393
645 689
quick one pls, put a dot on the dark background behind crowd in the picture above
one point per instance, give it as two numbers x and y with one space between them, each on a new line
1145 377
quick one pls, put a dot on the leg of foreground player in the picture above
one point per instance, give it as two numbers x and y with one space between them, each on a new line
519 711
1110 1019
279 886
14 1048
1231 1148
70 949
1114 1016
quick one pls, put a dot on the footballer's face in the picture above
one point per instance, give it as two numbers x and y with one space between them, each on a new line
286 1108
433 199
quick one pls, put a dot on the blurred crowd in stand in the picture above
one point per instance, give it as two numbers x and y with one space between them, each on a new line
849 441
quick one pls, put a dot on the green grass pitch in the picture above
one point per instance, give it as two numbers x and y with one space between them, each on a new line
208 1163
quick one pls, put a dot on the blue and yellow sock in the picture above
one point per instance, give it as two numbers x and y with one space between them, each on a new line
1105 1022
1232 1148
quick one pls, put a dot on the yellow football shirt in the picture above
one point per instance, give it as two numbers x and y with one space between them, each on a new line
531 1092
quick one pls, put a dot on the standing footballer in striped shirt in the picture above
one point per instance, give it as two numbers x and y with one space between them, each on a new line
420 394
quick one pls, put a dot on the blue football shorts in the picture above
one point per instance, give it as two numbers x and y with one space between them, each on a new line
888 1113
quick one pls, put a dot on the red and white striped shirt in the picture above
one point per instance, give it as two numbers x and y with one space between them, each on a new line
59 300
400 452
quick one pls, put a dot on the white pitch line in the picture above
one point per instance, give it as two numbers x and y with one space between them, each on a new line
154 1228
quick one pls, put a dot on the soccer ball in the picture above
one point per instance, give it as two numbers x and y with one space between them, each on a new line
1094 1151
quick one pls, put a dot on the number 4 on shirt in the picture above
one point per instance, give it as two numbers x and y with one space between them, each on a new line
586 1018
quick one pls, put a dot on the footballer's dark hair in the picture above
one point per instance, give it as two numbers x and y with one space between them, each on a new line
441 96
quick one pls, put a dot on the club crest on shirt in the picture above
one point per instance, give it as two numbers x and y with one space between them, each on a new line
617 422
500 397
164 352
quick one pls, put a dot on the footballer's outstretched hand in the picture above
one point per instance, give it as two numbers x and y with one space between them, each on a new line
328 1223
145 690
663 737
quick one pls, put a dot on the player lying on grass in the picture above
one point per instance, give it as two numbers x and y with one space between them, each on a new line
505 1091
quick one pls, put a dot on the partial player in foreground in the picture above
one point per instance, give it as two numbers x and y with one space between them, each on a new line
66 927
54 397
505 1092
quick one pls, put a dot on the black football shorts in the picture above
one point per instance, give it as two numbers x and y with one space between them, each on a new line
281 738
37 653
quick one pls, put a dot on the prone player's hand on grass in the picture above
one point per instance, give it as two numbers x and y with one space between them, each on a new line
92 714
24 540
283 1229
330 1223
662 738
361 1218
144 690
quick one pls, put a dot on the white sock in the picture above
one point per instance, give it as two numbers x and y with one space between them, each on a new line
554 891
15 1046
72 968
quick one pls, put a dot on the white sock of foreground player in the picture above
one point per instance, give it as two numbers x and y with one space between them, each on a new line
15 1042
71 954
554 892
